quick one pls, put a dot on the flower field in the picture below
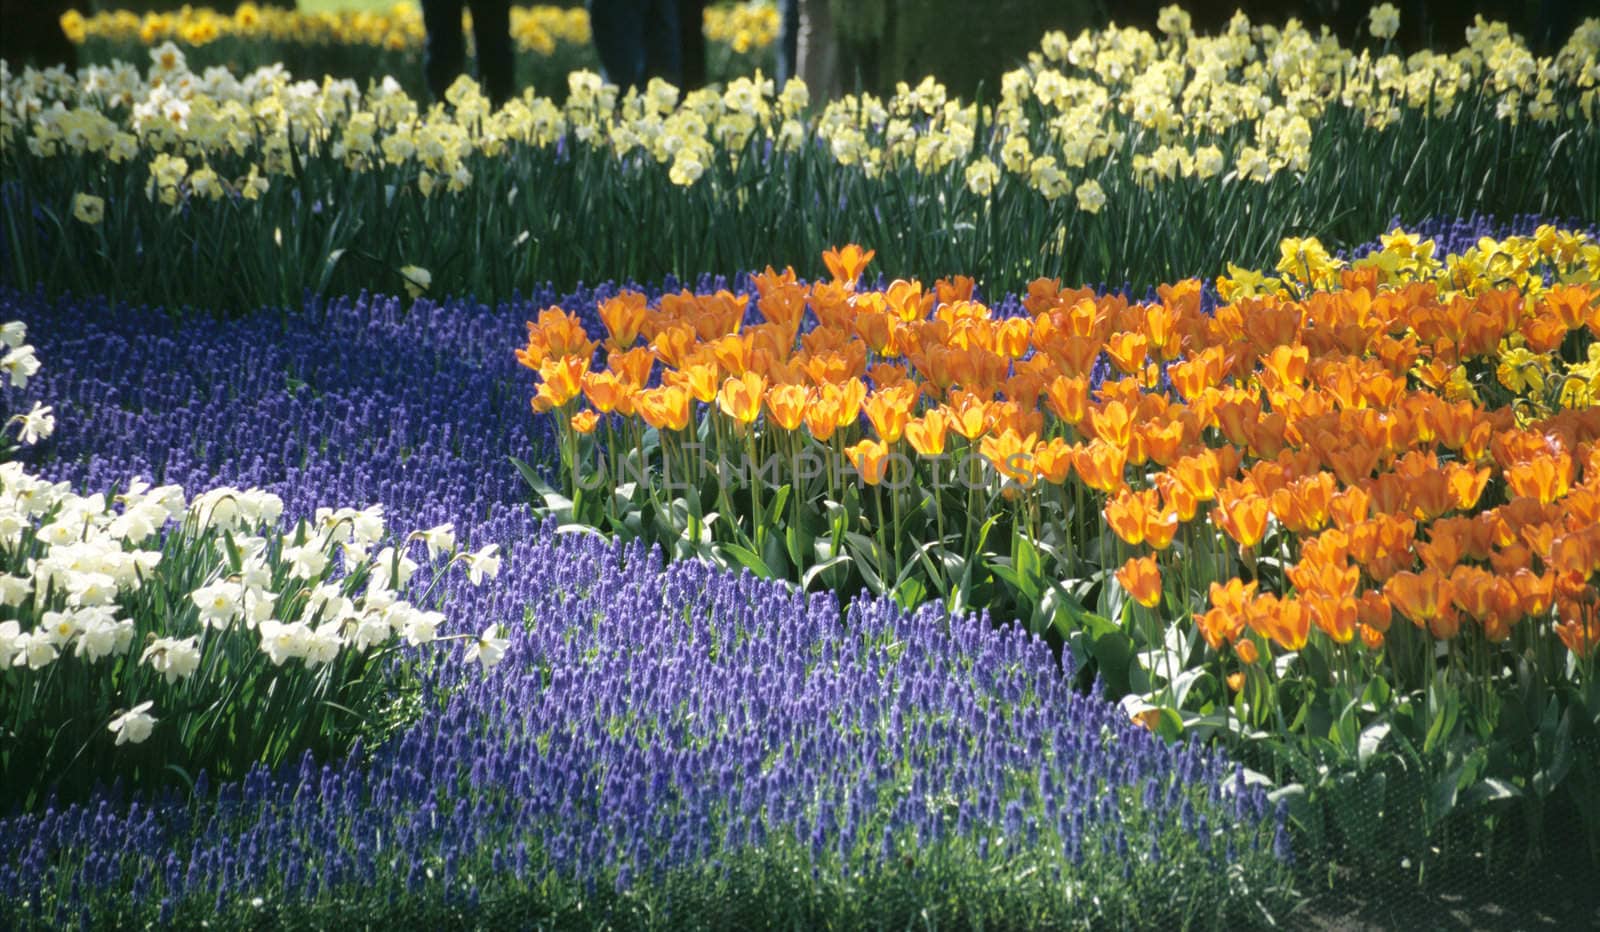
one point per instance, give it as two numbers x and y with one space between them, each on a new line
1118 503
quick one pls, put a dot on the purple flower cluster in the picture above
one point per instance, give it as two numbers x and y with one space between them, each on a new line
653 718
647 718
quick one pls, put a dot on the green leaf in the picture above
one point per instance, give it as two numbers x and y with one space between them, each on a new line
1371 741
1489 790
747 558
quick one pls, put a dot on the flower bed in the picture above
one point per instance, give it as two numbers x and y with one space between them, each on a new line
854 763
153 182
369 45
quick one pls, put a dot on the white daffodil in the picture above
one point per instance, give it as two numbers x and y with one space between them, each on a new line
37 424
484 563
489 647
36 650
324 644
219 603
21 364
422 627
173 658
440 539
134 725
307 560
14 590
10 638
13 333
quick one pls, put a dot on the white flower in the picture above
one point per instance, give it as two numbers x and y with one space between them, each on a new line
323 645
259 507
173 658
328 603
306 561
21 365
391 570
217 508
36 649
37 424
259 604
416 279
441 539
134 725
101 636
422 627
10 638
61 626
281 642
138 522
12 334
14 590
254 573
219 603
371 631
91 589
489 647
484 563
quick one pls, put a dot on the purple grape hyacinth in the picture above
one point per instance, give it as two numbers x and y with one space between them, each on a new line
648 719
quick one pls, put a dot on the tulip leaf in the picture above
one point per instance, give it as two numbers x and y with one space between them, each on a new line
748 559
1371 741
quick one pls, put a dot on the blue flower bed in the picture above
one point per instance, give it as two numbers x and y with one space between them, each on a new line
660 739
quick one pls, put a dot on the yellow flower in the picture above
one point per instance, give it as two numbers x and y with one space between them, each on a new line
1090 197
417 280
1384 21
982 176
1245 283
1520 369
88 208
1305 260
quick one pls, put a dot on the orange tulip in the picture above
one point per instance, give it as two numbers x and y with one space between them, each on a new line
1545 478
1124 514
1225 621
740 398
969 415
1113 423
1425 599
1068 398
1100 465
584 422
927 433
623 316
870 459
1140 577
664 408
608 393
1052 460
1242 517
822 414
1127 351
1011 455
787 405
673 344
633 366
564 377
889 409
1335 617
846 264
699 380
734 353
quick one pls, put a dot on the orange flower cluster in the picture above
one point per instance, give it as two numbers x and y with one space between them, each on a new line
1319 418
